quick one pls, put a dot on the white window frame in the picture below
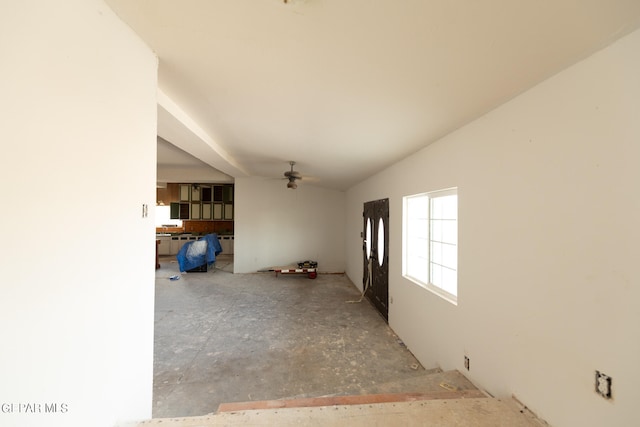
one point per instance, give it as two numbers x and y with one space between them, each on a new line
419 264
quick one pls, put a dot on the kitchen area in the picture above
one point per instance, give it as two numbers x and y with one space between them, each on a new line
187 211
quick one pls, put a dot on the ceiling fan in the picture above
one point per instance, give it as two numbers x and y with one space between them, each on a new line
292 176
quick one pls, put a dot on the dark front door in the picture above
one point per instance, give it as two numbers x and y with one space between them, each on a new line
375 250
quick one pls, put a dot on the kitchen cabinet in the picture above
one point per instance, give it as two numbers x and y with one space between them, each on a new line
185 192
195 193
217 211
227 194
226 243
217 193
203 202
195 211
206 194
228 211
175 245
164 248
179 210
177 242
207 210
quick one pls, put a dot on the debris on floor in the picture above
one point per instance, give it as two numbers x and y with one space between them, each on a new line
448 386
310 268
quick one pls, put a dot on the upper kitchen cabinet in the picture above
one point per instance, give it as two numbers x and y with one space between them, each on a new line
203 202
185 192
195 192
217 193
228 211
206 194
196 209
179 210
227 200
207 206
227 193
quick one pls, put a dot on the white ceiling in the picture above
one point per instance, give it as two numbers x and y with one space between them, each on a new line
348 87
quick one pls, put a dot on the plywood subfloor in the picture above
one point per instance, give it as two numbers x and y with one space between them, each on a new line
473 412
348 400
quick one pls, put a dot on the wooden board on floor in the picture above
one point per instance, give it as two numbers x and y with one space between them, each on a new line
474 412
348 400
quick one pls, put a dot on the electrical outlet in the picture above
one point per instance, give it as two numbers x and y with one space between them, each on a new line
466 362
603 385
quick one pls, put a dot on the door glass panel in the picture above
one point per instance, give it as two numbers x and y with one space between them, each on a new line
380 242
368 239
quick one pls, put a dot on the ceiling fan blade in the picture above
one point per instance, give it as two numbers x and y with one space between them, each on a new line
293 174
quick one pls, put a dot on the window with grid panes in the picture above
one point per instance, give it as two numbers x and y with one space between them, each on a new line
430 256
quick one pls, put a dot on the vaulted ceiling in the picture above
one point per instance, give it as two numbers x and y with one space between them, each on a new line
348 87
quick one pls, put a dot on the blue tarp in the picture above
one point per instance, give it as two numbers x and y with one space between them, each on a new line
199 252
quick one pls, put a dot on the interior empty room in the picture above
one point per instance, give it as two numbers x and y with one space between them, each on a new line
433 202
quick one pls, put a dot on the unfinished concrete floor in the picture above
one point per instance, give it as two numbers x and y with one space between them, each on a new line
222 338
262 350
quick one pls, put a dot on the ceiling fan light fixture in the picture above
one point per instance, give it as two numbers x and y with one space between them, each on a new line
292 176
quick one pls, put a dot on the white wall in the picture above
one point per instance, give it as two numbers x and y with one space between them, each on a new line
549 204
276 226
78 111
200 174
